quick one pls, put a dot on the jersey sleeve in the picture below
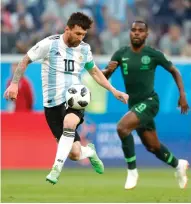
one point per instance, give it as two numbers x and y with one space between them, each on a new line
163 61
40 50
116 56
90 62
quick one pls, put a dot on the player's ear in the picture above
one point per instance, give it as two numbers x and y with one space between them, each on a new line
66 28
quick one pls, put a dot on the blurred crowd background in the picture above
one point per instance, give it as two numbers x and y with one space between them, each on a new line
25 22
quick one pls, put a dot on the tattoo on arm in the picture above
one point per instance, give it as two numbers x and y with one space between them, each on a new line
21 69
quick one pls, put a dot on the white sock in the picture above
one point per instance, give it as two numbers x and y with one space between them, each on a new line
132 171
179 164
64 147
86 152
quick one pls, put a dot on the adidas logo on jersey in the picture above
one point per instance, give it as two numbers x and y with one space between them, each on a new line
58 54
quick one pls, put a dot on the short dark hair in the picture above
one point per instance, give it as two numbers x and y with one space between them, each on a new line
79 19
139 21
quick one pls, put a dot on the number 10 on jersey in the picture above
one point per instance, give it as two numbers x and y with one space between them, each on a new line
69 65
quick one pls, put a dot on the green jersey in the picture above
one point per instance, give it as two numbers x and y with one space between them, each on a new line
138 71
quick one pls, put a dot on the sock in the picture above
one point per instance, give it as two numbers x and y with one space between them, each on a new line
179 165
128 147
64 147
86 152
166 156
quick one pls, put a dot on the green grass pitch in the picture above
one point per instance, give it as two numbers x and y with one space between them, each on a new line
84 185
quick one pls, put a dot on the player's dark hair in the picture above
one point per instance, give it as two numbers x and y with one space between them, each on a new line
79 19
139 21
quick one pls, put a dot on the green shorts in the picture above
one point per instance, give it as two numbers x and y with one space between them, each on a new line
146 110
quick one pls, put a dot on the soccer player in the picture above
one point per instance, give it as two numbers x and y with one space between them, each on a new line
63 57
138 63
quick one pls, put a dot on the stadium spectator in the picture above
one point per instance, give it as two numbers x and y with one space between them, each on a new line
48 28
6 17
152 38
7 39
141 9
49 17
173 43
24 100
97 10
178 11
20 10
92 38
82 7
62 10
187 49
24 36
10 5
115 9
113 37
187 21
162 15
36 8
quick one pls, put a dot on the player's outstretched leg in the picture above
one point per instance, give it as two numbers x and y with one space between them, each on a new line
181 165
95 161
150 140
80 152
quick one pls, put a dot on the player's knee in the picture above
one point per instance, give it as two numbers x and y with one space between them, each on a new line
71 121
74 155
123 131
69 124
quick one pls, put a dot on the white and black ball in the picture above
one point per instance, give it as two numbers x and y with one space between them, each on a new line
78 96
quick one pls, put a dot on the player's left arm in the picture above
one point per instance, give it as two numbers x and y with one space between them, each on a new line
165 63
182 102
99 77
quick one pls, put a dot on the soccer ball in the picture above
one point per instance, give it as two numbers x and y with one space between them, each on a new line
78 96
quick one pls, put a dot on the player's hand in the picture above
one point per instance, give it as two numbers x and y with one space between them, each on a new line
182 103
11 92
123 97
112 65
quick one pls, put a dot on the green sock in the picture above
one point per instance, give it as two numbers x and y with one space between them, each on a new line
128 147
166 156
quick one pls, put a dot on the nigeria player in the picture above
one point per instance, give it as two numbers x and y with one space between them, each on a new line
138 63
63 58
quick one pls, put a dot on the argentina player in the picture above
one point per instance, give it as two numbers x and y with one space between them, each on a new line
63 58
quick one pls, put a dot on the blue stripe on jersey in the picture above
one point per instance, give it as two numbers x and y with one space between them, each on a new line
84 51
52 73
68 77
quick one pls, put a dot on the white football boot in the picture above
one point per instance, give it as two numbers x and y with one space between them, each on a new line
132 178
181 173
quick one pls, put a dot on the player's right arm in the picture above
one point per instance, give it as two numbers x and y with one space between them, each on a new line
37 52
165 63
112 66
12 90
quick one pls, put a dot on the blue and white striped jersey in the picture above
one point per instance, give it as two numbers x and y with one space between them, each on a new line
61 66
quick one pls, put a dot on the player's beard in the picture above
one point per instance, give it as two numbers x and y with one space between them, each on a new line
73 43
137 44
